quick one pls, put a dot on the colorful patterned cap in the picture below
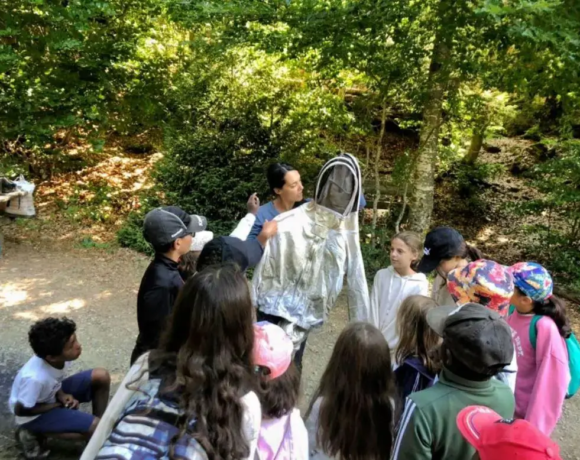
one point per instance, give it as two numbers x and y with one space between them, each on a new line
533 280
483 281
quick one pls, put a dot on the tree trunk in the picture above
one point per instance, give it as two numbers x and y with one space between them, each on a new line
423 189
474 147
377 164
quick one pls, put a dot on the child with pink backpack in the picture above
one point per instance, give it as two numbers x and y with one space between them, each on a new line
283 435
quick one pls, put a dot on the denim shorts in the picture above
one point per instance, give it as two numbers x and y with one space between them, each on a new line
61 420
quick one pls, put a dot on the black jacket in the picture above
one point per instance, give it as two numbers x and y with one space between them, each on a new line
159 289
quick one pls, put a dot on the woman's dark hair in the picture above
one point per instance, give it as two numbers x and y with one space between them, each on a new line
276 175
205 358
48 336
280 395
555 308
357 389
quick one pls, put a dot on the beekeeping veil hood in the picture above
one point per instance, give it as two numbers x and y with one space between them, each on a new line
302 271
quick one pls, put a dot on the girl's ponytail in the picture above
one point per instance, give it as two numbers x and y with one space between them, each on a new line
472 253
555 308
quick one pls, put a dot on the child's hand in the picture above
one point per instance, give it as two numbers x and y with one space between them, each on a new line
253 204
68 401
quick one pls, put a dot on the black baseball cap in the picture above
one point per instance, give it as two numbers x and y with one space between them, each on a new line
228 249
164 225
440 243
477 336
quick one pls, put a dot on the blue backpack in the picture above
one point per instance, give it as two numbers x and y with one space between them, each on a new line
149 429
573 353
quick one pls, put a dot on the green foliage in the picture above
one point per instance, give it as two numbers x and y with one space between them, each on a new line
92 202
375 251
88 243
131 234
72 70
224 133
559 181
556 240
471 179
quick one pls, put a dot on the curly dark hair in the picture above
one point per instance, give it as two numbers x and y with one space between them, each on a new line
48 336
205 358
279 396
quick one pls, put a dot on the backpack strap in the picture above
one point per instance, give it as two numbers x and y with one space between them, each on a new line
511 310
533 330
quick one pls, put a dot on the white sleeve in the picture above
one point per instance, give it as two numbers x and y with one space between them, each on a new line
116 406
29 392
509 374
424 289
300 437
244 227
375 301
312 427
252 421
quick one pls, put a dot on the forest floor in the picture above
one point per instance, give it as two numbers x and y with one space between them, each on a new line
66 262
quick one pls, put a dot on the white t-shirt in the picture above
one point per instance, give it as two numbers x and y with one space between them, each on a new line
37 382
388 293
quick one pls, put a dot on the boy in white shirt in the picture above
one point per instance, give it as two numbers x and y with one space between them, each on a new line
44 401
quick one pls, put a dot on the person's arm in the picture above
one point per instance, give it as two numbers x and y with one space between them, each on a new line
509 374
311 424
375 301
257 227
300 437
405 379
139 373
157 305
552 378
414 437
245 225
28 394
21 411
252 421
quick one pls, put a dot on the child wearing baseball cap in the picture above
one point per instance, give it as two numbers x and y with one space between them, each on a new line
476 344
170 230
497 438
445 250
489 284
282 434
543 374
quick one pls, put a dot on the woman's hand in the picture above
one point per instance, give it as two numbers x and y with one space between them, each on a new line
269 229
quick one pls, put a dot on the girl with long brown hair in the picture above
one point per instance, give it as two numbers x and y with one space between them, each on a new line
200 380
417 367
351 414
392 285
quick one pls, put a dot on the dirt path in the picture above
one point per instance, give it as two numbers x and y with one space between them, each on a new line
97 289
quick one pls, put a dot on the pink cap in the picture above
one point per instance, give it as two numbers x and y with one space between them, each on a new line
272 348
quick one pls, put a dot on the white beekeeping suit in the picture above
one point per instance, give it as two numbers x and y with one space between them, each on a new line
302 270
